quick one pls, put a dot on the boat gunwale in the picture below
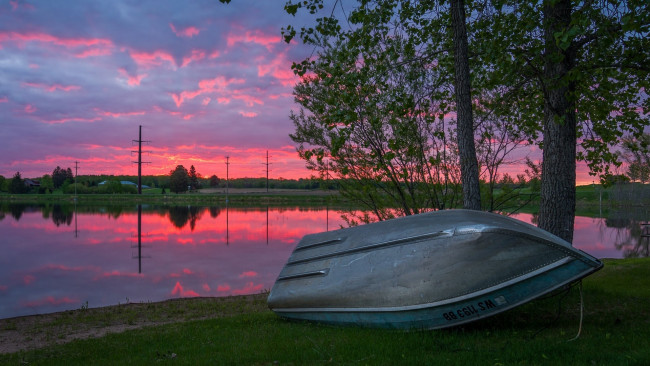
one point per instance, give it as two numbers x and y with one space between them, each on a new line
461 298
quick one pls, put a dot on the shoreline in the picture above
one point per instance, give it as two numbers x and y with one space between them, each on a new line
29 332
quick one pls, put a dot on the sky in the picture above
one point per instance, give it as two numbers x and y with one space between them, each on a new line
205 81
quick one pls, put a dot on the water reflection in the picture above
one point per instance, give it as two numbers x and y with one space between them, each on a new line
49 264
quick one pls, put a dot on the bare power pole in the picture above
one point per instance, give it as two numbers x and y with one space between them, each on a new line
227 165
76 166
267 170
140 162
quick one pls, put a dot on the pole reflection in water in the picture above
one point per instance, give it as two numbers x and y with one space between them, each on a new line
139 256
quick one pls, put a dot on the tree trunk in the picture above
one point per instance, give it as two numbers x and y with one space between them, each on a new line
558 197
467 151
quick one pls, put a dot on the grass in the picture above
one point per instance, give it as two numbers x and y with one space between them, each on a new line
285 197
616 331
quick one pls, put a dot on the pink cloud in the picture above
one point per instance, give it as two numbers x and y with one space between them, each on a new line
178 290
118 274
4 287
216 85
279 70
71 119
30 108
223 288
50 300
185 241
15 5
94 52
259 37
188 32
28 279
248 289
118 114
103 46
132 80
206 287
53 87
248 114
4 100
196 55
151 59
205 101
249 99
248 274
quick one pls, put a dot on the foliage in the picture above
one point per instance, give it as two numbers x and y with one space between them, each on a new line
374 109
573 74
214 180
60 176
46 184
17 184
194 178
179 179
3 184
636 151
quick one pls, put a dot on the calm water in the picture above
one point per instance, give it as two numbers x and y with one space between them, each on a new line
57 259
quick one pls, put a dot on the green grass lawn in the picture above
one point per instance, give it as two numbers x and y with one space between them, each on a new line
615 331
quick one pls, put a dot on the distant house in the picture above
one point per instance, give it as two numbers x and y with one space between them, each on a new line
32 183
125 183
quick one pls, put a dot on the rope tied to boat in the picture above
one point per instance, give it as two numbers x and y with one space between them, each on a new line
582 307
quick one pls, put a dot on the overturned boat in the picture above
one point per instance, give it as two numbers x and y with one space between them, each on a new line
426 271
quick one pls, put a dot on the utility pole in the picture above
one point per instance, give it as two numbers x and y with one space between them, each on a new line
76 166
139 162
227 165
267 171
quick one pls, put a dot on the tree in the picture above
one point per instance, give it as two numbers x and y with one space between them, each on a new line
179 179
17 184
374 101
579 75
47 184
214 180
60 176
636 152
3 182
375 129
466 148
194 178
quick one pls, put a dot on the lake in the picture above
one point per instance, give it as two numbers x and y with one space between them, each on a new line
62 257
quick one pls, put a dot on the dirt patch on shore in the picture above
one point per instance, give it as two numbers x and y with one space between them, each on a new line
38 331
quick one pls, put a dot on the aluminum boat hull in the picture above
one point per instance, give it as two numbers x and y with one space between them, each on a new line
426 271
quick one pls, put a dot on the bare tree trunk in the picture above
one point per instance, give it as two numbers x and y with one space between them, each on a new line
467 151
558 195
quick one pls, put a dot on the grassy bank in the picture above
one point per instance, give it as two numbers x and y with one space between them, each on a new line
615 331
238 196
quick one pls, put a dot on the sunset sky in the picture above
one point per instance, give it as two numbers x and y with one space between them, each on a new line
204 79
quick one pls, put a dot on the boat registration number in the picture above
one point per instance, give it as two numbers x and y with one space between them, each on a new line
474 309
